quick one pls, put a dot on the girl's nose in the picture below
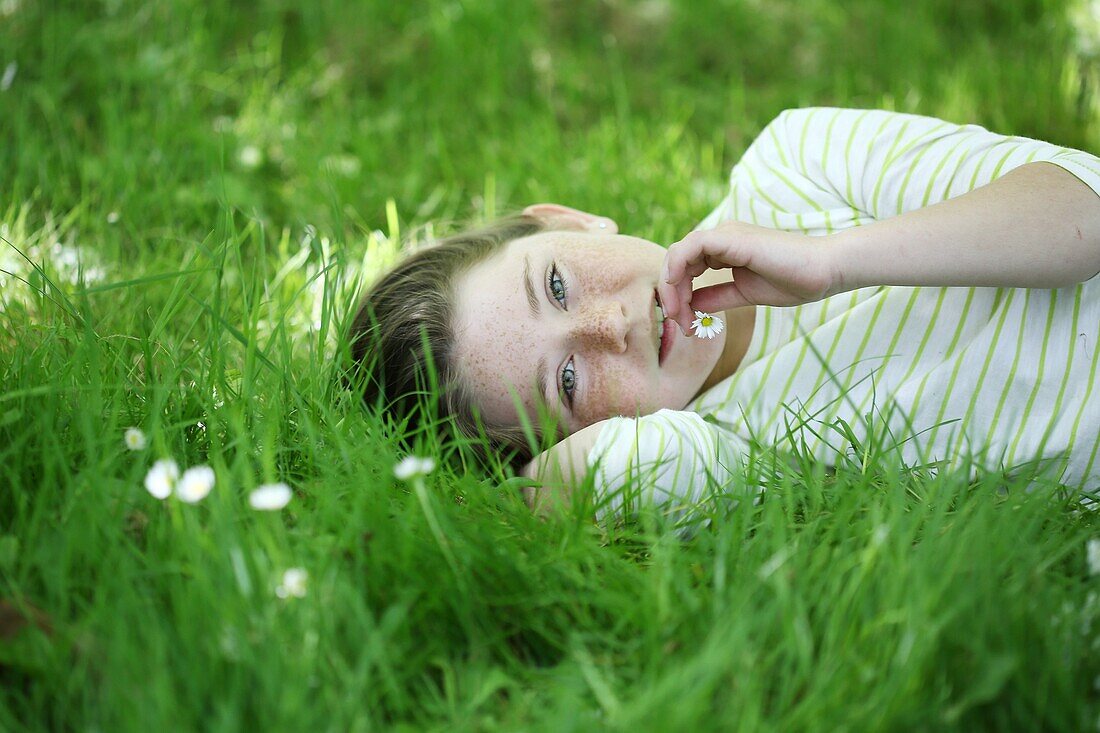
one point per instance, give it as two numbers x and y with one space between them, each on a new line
603 324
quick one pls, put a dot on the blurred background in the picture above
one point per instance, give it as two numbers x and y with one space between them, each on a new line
319 113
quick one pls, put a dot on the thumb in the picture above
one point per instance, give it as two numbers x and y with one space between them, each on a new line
717 298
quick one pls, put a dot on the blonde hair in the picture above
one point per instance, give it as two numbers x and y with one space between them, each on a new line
403 334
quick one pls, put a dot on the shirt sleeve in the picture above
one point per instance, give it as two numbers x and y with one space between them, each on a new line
822 169
671 460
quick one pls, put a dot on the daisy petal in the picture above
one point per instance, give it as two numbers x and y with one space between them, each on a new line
134 439
294 583
410 467
162 478
195 484
270 497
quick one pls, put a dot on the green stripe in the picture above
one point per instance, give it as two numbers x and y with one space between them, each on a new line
1000 164
775 139
848 159
912 167
825 150
873 204
1083 163
973 178
950 389
1038 380
936 173
804 197
889 354
802 142
756 190
795 370
824 363
1088 393
762 312
927 335
1011 372
1007 305
977 170
1057 411
842 395
1092 459
947 355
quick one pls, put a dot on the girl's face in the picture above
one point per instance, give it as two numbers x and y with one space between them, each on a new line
568 321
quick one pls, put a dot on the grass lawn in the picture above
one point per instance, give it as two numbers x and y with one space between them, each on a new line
191 192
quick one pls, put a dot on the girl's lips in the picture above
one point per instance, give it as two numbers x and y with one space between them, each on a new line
667 335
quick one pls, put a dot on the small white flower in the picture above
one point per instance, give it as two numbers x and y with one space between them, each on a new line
112 217
250 157
706 326
9 76
134 439
411 467
195 484
162 478
1093 548
294 583
270 497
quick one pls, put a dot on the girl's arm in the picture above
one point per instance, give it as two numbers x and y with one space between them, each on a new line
918 201
670 458
559 469
1038 226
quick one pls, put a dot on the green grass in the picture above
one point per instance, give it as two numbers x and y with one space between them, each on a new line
208 312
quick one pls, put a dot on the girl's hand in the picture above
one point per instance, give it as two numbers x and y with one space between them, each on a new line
768 266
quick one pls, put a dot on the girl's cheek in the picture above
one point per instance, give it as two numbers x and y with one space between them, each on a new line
612 391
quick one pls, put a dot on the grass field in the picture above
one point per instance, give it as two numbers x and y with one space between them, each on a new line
190 194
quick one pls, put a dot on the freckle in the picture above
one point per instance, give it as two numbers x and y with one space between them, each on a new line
1078 232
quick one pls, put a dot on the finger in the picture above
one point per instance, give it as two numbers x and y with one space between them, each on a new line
717 298
676 297
691 257
704 249
676 294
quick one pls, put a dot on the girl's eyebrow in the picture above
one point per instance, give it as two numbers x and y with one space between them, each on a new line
532 299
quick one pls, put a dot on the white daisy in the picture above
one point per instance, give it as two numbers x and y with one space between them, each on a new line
162 478
411 467
112 217
294 583
250 157
270 497
1093 548
9 76
134 439
706 326
195 484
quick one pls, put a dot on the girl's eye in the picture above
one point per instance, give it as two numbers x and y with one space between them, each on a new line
568 381
557 286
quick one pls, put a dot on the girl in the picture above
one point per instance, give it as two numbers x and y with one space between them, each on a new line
945 303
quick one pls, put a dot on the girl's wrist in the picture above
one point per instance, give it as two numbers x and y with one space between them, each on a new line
842 260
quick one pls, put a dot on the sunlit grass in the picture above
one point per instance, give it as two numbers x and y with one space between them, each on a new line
194 193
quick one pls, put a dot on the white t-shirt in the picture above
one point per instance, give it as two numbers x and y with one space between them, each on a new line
996 376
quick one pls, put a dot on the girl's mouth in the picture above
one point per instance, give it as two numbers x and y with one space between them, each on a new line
665 330
667 334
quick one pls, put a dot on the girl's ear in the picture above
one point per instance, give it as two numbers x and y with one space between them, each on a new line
557 216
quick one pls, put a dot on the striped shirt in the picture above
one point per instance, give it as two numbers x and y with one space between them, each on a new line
943 377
